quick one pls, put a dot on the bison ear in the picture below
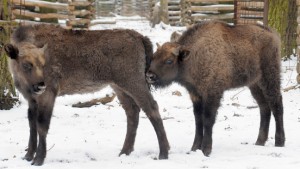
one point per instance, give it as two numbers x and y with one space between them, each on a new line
183 54
158 45
44 47
11 51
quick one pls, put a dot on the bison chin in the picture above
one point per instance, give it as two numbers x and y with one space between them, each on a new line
158 84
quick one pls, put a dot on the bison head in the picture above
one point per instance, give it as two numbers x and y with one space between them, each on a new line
26 65
166 64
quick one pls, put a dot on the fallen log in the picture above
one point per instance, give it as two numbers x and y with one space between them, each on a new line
104 100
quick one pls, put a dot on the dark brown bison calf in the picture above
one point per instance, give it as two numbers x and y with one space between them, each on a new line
48 61
212 57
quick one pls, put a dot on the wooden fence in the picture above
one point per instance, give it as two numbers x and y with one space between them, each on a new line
174 12
210 9
77 13
185 12
251 11
110 8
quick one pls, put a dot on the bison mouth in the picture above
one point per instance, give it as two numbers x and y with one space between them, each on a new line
156 82
152 79
39 88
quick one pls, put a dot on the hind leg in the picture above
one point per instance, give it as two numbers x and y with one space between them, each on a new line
277 109
265 114
270 85
274 98
143 98
132 113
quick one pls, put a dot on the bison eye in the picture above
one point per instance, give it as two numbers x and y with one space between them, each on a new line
27 66
169 62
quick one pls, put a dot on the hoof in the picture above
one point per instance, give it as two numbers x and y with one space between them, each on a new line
37 162
279 140
163 156
260 142
126 152
28 157
206 151
279 143
195 148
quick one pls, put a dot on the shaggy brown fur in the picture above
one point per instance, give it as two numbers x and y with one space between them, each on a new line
48 61
212 57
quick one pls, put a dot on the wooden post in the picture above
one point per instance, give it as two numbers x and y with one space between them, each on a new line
298 41
235 16
164 11
266 12
185 13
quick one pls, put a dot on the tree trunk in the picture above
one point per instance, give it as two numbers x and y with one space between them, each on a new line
291 29
7 90
282 17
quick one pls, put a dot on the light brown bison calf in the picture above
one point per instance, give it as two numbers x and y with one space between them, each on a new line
212 57
48 61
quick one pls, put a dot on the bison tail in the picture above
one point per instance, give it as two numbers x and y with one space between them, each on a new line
148 51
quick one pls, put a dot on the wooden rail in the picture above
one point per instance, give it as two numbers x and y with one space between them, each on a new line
39 15
58 6
186 12
212 8
198 10
75 18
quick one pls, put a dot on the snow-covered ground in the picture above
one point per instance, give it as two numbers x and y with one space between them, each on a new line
92 137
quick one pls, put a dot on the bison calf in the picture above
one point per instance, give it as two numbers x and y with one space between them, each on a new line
48 61
212 57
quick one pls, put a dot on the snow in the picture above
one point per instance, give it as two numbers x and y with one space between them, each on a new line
93 137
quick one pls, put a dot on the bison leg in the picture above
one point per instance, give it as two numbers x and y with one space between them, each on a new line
275 102
132 113
209 116
265 114
45 108
270 85
142 96
277 109
198 113
32 144
154 117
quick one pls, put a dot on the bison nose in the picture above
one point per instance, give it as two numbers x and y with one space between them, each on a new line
39 88
151 77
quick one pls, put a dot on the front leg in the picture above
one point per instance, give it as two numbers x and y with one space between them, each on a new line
32 144
45 108
43 124
198 113
209 116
